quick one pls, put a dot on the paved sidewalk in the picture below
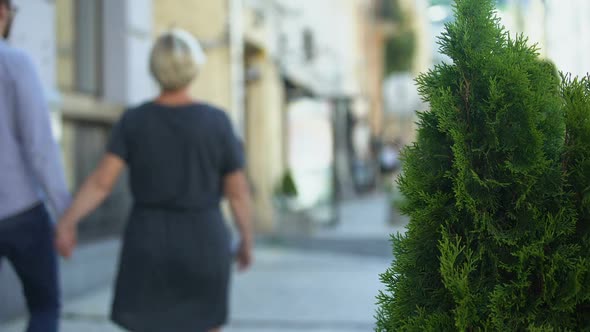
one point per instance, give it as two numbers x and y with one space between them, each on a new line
286 291
364 229
324 283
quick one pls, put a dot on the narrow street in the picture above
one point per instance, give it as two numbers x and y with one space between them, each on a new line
323 283
137 117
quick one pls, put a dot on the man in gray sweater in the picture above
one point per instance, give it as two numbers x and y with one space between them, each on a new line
32 181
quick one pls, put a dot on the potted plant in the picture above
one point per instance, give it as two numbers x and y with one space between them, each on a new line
292 220
286 192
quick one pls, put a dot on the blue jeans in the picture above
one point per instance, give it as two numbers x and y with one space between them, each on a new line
26 240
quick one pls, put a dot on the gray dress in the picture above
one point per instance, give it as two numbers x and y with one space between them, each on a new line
175 262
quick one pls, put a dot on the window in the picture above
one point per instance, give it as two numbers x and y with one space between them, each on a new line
88 46
308 45
79 36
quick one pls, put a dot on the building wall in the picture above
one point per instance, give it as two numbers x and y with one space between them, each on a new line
333 70
400 94
567 28
65 44
367 102
128 33
264 111
207 20
346 67
35 34
373 41
123 42
264 138
558 29
424 48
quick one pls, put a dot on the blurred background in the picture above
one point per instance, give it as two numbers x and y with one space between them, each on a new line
320 92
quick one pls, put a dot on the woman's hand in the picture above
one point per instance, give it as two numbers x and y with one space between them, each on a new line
66 238
244 256
237 191
92 193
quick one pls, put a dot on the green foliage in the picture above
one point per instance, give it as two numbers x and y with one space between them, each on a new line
390 10
400 47
287 186
399 51
497 188
576 161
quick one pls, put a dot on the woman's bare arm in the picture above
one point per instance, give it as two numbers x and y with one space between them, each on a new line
92 193
237 192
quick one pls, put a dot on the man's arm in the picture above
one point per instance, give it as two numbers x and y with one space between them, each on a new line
34 133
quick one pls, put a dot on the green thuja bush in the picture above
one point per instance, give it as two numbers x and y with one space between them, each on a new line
497 188
576 162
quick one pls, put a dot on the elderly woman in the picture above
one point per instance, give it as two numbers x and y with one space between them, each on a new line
182 157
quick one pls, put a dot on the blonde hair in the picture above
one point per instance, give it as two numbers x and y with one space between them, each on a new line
175 59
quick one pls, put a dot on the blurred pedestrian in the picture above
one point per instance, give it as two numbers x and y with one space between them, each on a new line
31 175
182 156
389 158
